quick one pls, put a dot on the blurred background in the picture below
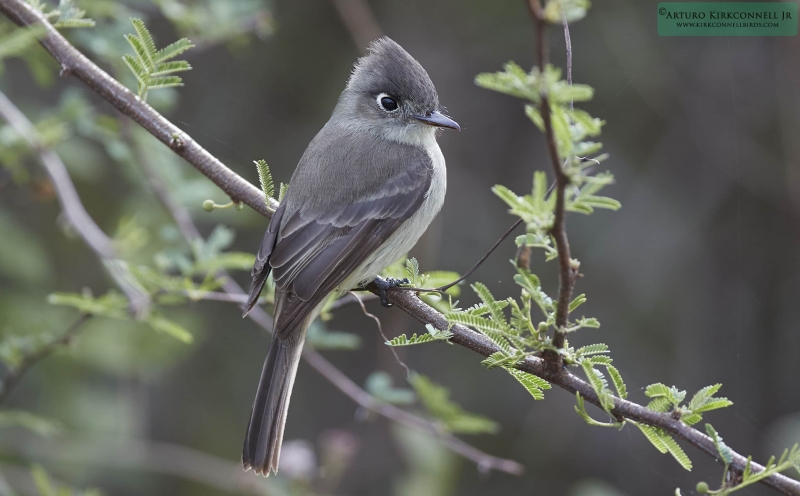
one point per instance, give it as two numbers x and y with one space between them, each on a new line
695 280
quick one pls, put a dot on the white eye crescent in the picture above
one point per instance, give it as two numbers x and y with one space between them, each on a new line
387 103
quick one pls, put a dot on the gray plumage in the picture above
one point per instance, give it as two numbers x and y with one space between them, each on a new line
365 190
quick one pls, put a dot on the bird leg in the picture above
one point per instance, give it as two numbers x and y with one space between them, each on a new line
384 285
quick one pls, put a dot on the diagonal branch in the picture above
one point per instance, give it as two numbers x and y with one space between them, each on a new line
108 88
234 293
79 218
76 64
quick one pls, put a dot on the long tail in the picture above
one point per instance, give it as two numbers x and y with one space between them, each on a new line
262 445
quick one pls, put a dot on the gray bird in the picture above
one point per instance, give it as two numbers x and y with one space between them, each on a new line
366 188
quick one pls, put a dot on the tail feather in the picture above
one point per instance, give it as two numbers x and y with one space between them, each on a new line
262 445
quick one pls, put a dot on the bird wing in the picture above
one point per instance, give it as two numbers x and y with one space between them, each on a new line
313 254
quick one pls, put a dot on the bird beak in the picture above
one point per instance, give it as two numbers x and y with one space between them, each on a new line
439 120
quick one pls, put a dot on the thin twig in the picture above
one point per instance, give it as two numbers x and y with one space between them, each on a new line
344 301
19 12
568 45
567 268
14 374
383 335
443 289
79 218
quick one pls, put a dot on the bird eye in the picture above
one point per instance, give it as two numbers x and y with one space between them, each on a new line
387 103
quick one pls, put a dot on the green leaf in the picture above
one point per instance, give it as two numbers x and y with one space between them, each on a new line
172 50
433 335
598 383
533 384
282 192
657 390
402 340
40 425
676 451
653 436
500 359
724 451
453 417
164 82
704 400
513 81
164 68
42 481
19 40
74 23
152 68
322 339
665 444
112 304
592 349
170 328
265 178
494 307
146 40
619 384
379 384
599 360
578 301
574 10
661 404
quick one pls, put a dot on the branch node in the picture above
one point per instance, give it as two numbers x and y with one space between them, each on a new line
65 71
177 143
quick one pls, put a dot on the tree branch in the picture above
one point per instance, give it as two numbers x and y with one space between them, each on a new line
567 269
234 293
79 218
14 374
109 89
76 64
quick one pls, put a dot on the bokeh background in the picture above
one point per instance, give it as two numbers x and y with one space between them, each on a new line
695 280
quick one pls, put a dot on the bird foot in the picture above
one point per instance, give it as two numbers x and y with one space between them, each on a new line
384 285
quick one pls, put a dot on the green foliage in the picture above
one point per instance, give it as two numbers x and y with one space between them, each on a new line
409 268
265 179
434 334
599 384
114 305
153 68
668 399
282 192
379 385
45 486
664 443
574 10
571 129
533 384
616 378
580 409
322 339
724 451
788 460
18 41
213 22
19 418
67 15
451 416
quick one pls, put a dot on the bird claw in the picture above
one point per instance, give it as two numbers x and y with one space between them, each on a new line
384 285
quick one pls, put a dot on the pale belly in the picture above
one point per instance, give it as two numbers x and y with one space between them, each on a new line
407 235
